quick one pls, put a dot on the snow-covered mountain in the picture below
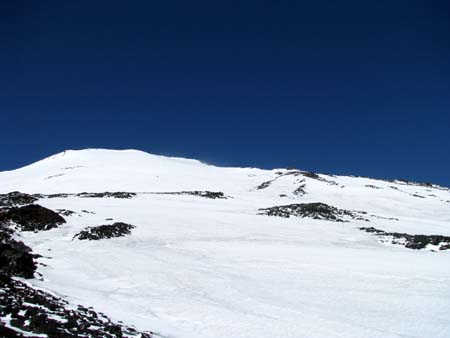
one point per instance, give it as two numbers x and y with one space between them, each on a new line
238 252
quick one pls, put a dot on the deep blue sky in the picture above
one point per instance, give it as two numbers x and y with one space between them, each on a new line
358 87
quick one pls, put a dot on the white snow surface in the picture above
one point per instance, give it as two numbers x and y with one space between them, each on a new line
198 267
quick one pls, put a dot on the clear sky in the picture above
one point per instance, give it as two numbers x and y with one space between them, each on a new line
345 87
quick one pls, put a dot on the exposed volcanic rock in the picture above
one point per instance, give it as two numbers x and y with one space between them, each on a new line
16 198
34 312
15 257
117 229
411 241
119 194
32 217
312 210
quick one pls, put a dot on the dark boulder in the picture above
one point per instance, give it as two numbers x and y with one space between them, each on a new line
16 259
32 217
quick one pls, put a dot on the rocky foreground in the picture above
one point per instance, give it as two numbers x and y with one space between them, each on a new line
29 312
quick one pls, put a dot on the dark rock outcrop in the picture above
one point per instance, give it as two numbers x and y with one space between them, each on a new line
16 259
410 241
16 198
32 217
312 210
117 229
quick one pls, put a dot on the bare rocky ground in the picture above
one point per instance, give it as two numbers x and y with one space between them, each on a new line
313 210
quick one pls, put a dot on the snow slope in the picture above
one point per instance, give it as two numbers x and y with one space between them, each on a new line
198 267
